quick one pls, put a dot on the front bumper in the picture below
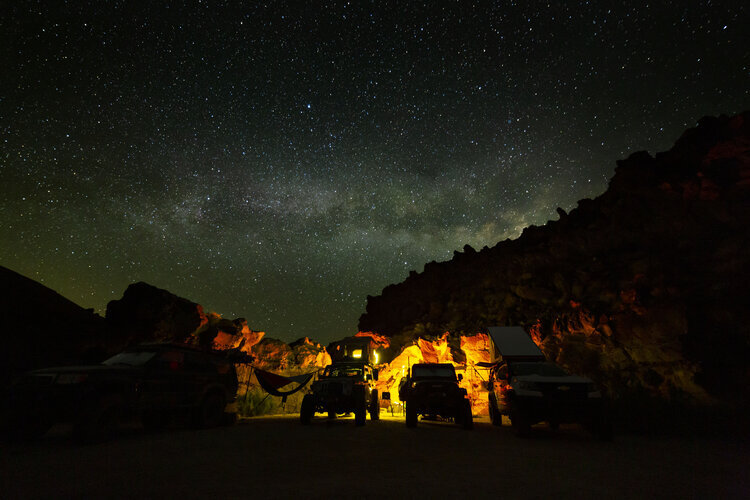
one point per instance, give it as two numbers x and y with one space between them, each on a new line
560 410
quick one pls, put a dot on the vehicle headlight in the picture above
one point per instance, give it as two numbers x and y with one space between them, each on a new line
71 378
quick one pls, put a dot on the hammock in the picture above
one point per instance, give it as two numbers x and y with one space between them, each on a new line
271 382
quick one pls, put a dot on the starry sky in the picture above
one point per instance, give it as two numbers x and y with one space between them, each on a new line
279 161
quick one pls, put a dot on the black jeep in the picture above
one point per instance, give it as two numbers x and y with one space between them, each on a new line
432 390
153 382
344 387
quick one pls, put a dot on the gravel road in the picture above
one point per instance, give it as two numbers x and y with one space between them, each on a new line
276 457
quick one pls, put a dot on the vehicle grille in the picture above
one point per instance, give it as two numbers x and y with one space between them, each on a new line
333 388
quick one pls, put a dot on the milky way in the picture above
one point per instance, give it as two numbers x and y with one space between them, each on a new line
280 163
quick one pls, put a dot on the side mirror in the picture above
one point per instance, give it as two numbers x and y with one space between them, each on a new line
460 377
386 396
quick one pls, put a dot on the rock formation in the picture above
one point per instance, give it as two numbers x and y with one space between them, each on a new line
146 313
644 288
41 327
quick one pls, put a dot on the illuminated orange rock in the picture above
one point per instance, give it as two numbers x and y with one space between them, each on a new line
436 351
477 349
380 341
474 349
309 355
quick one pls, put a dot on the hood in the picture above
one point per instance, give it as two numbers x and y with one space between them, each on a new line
569 379
83 369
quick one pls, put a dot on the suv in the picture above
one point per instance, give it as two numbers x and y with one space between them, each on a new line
528 389
535 391
432 390
344 387
150 381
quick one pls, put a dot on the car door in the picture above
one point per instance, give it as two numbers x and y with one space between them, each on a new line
165 381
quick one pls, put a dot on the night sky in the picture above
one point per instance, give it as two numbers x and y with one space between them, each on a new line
280 162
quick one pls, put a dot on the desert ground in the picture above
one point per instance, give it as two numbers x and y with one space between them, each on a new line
276 457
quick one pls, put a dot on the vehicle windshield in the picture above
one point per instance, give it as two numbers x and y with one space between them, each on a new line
130 358
433 371
343 371
543 369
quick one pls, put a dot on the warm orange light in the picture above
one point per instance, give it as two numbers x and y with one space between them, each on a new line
475 349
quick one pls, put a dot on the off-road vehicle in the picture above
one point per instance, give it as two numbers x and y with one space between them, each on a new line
153 382
431 390
344 387
347 385
529 390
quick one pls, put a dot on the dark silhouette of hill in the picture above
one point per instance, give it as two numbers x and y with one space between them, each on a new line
645 288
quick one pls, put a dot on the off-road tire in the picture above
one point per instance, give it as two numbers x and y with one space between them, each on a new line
520 423
495 417
99 420
307 409
374 406
360 413
154 420
602 429
210 412
411 414
467 419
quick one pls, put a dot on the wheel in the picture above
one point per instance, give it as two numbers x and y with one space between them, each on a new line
374 406
411 414
360 414
467 419
99 420
520 423
495 417
602 429
210 412
154 420
307 409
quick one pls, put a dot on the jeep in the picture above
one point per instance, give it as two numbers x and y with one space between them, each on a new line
431 390
344 387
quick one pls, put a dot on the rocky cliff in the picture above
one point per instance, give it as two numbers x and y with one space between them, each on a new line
644 288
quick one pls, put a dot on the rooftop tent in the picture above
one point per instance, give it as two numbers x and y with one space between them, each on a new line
352 349
513 343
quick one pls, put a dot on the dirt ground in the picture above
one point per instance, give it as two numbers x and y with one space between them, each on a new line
276 457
